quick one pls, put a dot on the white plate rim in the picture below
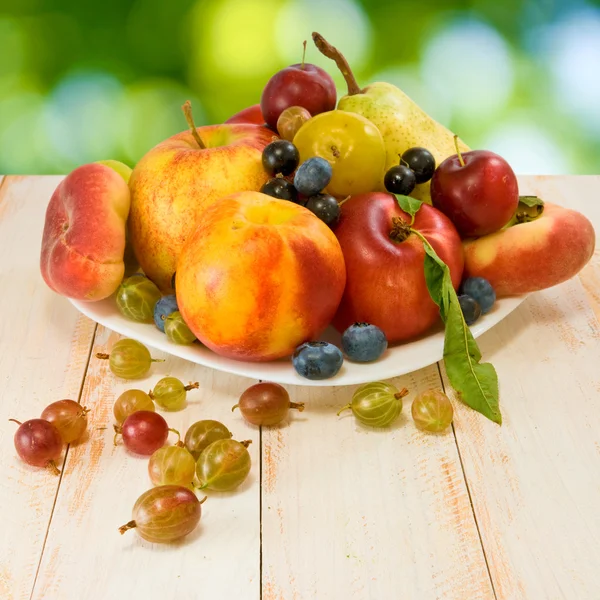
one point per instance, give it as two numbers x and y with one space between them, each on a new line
398 360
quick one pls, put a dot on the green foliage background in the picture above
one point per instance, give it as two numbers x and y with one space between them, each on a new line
83 81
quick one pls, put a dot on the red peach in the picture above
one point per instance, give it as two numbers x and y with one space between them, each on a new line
84 234
531 256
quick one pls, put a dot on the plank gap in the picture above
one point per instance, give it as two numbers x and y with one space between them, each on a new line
260 513
64 463
462 467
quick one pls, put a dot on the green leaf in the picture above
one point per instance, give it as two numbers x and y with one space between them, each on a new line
409 205
531 201
476 383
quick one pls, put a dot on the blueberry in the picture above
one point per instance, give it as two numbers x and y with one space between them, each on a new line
280 156
481 290
400 180
317 360
363 342
470 309
326 207
421 162
313 176
282 189
163 308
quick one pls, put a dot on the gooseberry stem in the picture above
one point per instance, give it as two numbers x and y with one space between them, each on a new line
246 443
102 355
192 386
15 421
339 412
334 54
189 117
157 360
403 392
299 406
118 429
234 407
51 466
203 500
460 158
303 55
127 526
177 432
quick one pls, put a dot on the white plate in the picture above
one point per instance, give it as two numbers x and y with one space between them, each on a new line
398 360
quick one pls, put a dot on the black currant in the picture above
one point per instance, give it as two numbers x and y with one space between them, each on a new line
421 162
280 156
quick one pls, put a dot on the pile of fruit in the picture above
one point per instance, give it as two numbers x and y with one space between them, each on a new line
251 237
207 458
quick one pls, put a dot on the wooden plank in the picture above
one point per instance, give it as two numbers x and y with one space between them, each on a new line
44 346
535 481
86 557
351 512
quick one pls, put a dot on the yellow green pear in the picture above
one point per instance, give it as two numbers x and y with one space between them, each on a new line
402 123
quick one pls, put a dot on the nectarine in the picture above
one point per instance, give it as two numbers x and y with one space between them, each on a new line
258 277
533 255
84 234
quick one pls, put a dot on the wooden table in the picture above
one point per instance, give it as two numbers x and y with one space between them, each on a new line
331 510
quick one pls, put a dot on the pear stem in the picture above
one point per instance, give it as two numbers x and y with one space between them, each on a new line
189 117
460 158
334 54
303 55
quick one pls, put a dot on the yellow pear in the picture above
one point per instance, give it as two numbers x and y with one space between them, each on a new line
402 123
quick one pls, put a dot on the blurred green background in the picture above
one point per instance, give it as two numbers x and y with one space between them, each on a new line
83 81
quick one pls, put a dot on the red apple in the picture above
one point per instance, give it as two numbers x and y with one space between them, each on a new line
252 115
303 85
534 254
477 190
385 281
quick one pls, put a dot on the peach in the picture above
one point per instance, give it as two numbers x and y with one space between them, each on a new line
174 184
533 255
258 277
84 234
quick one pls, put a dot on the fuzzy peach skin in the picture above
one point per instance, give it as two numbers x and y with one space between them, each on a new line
176 182
258 277
532 256
84 234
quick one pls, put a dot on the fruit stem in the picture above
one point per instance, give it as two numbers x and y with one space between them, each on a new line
180 444
127 526
460 158
118 430
192 386
299 406
339 412
177 432
203 500
334 54
189 117
102 355
15 421
246 443
401 229
51 465
403 392
303 55
234 407
157 360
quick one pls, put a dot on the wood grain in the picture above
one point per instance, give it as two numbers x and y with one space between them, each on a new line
44 347
353 512
86 557
535 481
